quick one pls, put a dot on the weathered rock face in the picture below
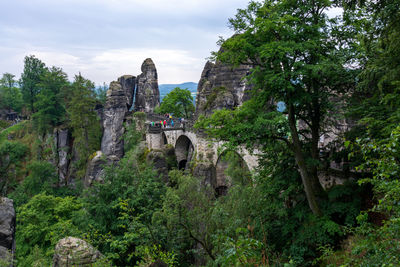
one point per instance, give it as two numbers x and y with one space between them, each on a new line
71 251
163 160
128 83
7 229
221 86
95 169
114 114
207 173
147 94
63 142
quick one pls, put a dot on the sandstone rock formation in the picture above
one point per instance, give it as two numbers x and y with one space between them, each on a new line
164 160
63 143
7 230
207 174
221 86
128 84
147 94
114 114
71 251
95 169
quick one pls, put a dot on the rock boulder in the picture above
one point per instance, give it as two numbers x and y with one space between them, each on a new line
71 251
7 230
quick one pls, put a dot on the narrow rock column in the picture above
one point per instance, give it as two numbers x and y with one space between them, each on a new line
147 96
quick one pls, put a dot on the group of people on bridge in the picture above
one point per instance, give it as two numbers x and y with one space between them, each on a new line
169 122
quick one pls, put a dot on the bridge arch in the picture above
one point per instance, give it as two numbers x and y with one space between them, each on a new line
231 169
164 139
184 151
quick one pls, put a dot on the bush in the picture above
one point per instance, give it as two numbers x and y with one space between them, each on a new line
41 223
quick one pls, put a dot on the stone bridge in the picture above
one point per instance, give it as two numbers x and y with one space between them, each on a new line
194 147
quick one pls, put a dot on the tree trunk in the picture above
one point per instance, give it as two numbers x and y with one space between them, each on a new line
306 177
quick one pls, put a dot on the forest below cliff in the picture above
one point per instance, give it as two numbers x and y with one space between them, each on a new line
339 80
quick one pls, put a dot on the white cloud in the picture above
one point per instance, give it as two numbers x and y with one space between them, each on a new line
173 66
104 39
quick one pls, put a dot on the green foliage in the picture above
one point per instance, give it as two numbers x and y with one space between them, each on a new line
10 96
376 100
237 170
49 104
83 120
132 232
132 136
372 244
101 93
118 212
298 56
4 124
34 69
42 178
243 251
41 223
187 216
178 102
11 156
151 254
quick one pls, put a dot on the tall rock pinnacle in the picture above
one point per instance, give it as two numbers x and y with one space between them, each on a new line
147 94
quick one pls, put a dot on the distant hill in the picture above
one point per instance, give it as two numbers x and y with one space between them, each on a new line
166 88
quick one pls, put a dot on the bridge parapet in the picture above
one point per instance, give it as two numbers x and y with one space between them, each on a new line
154 117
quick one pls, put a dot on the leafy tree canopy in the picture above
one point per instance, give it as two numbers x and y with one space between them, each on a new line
49 104
82 119
178 102
298 56
10 95
34 68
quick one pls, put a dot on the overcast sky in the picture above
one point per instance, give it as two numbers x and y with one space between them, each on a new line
104 39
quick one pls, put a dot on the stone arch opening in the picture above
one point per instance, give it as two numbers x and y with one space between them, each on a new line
182 164
164 139
230 169
184 151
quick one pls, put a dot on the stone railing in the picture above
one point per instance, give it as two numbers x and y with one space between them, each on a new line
158 128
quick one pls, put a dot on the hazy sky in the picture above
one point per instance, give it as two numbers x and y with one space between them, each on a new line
104 39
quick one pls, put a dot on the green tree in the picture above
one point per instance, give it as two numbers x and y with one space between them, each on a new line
118 212
11 156
8 80
101 93
298 56
42 178
187 215
41 223
34 68
10 96
178 102
49 104
83 119
376 104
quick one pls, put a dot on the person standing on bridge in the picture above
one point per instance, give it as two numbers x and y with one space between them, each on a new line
165 124
172 123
